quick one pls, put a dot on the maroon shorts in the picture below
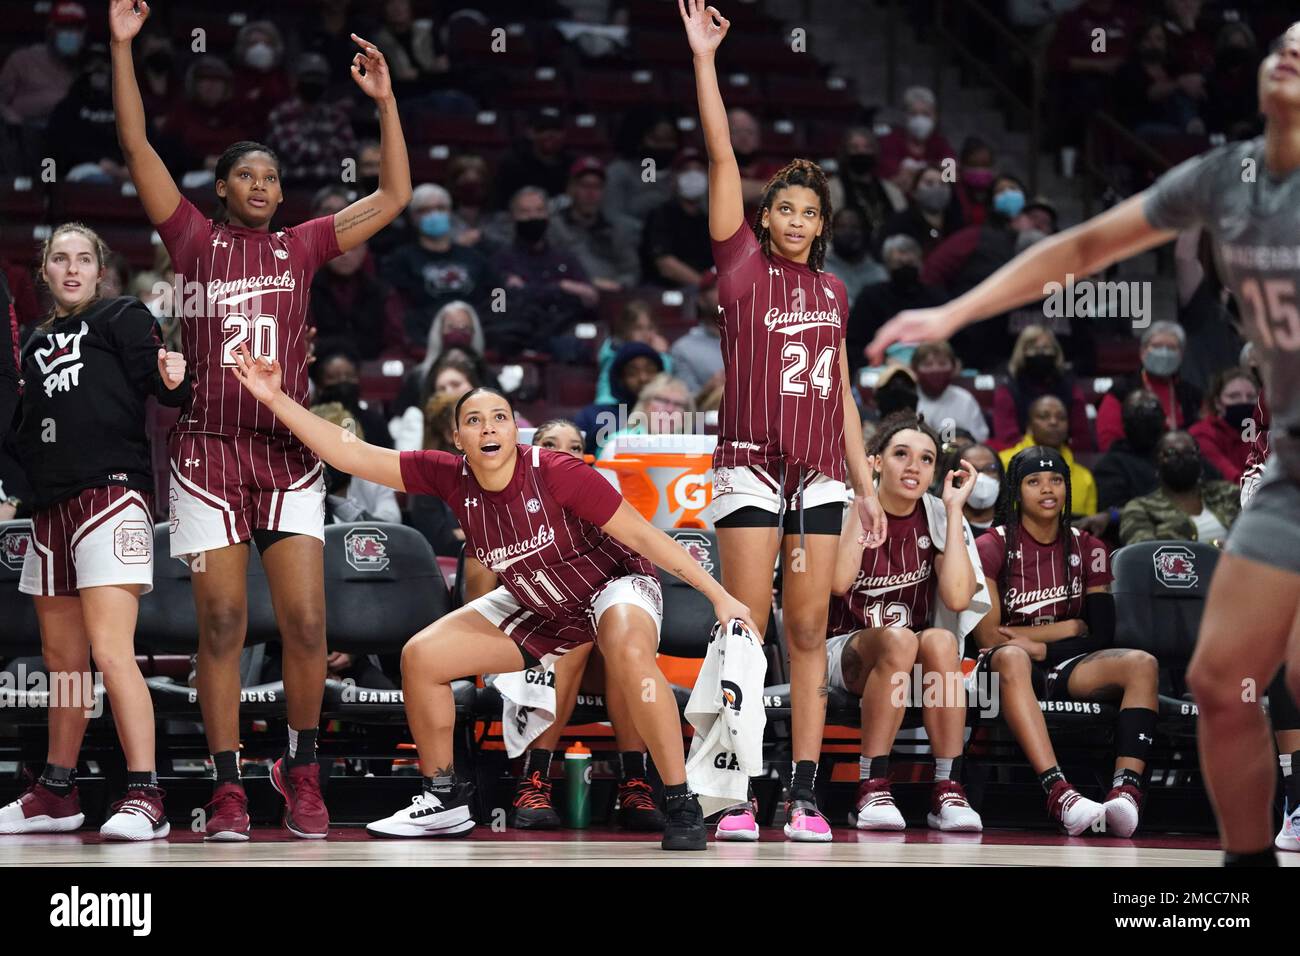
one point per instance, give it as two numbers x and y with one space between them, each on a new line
100 537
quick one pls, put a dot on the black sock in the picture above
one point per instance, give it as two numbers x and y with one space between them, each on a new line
803 785
226 765
1135 732
676 791
302 747
1047 779
1127 778
632 764
538 760
1291 783
1258 858
58 780
138 779
441 784
873 767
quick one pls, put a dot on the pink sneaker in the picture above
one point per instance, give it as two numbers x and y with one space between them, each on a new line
738 824
805 823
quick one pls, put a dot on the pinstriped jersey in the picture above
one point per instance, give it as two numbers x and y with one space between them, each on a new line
894 586
782 327
1037 589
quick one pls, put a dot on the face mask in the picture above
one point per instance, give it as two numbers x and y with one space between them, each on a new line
310 91
435 224
862 163
1143 428
985 493
68 42
1009 202
933 383
1237 414
531 230
692 184
457 338
920 127
347 394
906 276
1181 470
159 62
1040 365
978 177
259 56
1162 361
848 245
934 198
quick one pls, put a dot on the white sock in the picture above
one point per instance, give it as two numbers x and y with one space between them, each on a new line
293 742
1284 761
864 768
943 768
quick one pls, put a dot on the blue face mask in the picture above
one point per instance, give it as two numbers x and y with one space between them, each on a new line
435 224
68 42
1009 203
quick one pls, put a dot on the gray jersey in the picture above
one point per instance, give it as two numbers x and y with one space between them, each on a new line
1254 221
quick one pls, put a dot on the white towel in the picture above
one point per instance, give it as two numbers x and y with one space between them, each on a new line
726 710
529 699
964 622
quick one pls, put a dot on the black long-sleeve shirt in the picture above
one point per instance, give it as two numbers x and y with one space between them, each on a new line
8 357
86 378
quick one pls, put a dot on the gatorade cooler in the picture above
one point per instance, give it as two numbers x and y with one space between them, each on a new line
668 478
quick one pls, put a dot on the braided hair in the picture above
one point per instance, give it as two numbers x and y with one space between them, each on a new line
798 172
1007 513
226 162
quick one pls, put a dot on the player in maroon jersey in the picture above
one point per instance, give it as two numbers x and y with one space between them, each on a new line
780 458
237 473
884 623
1050 633
568 550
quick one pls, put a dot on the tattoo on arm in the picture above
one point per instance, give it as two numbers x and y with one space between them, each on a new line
342 224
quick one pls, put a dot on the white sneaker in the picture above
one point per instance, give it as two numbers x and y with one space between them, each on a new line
1288 838
1074 812
39 810
138 816
427 816
738 824
875 808
951 811
1122 806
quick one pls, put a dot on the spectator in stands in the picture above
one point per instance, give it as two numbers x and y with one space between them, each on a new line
989 474
1037 367
115 280
348 498
1157 100
605 245
1128 468
1049 426
432 271
156 74
895 391
881 301
1227 432
697 355
909 148
349 301
665 406
1084 67
425 513
35 78
1161 352
336 377
456 330
747 142
1186 507
975 178
642 136
398 232
931 214
263 82
312 136
849 256
1232 88
635 322
675 247
633 367
859 184
538 160
330 35
207 121
1190 41
467 181
944 405
418 55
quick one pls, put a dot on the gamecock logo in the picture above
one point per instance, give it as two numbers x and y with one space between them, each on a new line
365 549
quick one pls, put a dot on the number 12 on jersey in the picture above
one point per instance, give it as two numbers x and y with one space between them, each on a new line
795 357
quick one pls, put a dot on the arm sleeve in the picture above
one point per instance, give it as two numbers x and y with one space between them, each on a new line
430 472
1099 612
579 488
135 335
1178 199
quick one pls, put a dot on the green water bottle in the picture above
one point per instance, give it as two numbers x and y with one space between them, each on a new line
577 785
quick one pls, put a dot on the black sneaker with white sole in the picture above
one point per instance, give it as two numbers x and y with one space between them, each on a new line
430 814
685 828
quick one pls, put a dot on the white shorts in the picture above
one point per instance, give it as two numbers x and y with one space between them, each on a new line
835 659
748 486
103 536
548 639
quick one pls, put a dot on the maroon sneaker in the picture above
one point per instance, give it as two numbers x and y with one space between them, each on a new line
137 816
228 814
1074 812
40 810
1123 810
304 808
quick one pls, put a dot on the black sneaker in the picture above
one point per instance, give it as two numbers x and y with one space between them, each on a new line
684 829
636 807
533 809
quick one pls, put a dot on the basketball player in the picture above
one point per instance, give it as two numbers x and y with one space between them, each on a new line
237 473
883 622
779 465
570 551
82 441
1050 633
1245 194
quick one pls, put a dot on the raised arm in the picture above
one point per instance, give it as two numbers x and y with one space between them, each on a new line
157 189
726 201
848 556
365 217
1083 250
336 446
871 515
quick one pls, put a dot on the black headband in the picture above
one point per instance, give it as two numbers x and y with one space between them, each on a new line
1037 459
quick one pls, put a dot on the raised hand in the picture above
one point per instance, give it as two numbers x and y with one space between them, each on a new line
911 325
171 366
377 82
125 18
705 26
953 496
261 376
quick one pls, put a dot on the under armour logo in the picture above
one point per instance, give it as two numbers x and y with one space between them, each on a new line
218 241
1044 464
471 502
773 271
191 462
1146 738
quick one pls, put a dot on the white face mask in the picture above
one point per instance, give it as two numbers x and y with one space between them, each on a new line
692 184
260 56
920 126
985 492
